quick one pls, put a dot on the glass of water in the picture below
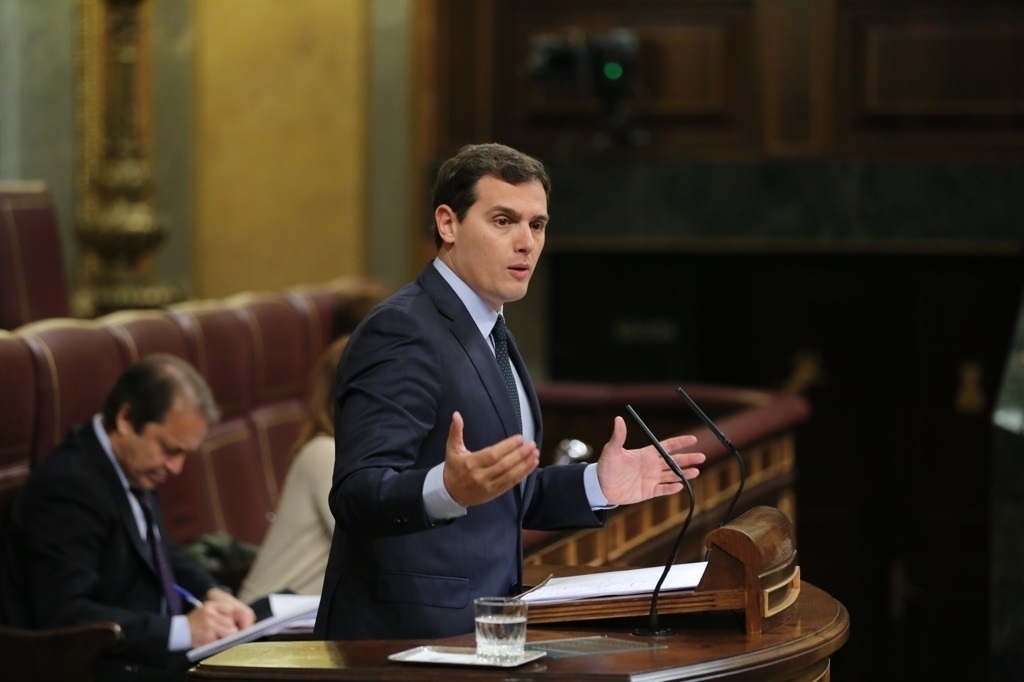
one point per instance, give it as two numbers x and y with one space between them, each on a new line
500 629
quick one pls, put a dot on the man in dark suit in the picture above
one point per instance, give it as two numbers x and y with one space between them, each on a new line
87 537
436 468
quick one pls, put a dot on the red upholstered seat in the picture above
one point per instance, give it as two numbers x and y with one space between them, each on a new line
76 364
143 332
17 417
33 285
283 354
222 489
277 427
224 351
231 455
337 306
283 347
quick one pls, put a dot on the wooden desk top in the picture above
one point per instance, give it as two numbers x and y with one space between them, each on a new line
702 647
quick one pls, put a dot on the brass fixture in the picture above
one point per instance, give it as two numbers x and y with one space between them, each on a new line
117 228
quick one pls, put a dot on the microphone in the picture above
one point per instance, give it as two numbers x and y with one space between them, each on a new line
728 446
653 629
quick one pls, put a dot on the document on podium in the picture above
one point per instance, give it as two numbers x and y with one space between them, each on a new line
617 583
290 611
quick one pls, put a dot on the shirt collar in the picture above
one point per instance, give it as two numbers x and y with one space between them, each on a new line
104 439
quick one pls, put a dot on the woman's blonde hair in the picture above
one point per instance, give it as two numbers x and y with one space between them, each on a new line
320 397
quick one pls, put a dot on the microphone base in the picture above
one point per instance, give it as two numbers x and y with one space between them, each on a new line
653 632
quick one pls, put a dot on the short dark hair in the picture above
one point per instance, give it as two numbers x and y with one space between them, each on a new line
150 388
455 185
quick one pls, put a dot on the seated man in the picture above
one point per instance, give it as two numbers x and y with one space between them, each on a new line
87 540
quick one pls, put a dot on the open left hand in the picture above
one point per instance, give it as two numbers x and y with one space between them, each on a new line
628 476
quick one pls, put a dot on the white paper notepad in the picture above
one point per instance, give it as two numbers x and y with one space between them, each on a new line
290 611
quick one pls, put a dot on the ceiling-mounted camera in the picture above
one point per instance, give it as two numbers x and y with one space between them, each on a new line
604 67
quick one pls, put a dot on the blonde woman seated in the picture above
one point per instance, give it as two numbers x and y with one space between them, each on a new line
294 553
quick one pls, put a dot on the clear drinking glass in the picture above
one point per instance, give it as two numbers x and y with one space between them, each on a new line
500 629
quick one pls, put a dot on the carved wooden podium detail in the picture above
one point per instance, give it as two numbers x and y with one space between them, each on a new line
755 554
751 568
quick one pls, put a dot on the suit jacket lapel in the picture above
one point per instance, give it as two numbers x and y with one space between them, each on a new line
468 335
118 494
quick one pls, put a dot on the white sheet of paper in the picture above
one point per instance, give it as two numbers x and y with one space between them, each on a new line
618 583
285 604
288 612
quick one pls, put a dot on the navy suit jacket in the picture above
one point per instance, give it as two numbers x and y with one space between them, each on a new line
392 573
73 554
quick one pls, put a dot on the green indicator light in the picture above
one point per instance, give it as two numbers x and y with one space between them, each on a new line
612 71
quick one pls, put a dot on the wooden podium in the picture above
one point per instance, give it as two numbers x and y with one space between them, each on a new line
790 630
752 568
701 647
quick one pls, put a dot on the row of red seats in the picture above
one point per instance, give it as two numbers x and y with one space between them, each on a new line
255 350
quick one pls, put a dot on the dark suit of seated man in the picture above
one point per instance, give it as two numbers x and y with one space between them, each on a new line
78 547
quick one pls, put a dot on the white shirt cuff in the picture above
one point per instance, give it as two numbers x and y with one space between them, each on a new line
593 487
181 634
436 500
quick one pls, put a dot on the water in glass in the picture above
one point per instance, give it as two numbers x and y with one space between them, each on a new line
500 638
500 629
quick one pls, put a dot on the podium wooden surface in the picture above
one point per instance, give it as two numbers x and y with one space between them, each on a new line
709 646
752 568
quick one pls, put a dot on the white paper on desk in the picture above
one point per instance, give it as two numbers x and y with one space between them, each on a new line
285 604
293 611
618 583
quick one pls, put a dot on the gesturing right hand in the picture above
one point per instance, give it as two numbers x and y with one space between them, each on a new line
472 478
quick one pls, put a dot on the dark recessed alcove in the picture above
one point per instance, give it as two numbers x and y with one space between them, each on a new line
885 293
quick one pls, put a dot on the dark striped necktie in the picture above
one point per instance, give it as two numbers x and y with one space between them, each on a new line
500 336
163 567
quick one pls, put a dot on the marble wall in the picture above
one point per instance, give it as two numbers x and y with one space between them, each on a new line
805 199
37 101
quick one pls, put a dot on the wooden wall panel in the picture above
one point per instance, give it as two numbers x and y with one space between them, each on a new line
695 83
696 86
685 70
931 78
797 46
745 78
943 70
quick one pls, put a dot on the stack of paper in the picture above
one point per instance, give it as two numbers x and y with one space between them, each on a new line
617 583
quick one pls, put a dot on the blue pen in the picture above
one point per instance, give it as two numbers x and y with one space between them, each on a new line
188 596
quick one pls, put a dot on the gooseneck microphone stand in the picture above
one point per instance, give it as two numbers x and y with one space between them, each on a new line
653 629
728 446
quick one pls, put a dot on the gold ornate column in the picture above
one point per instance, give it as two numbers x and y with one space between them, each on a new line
117 229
